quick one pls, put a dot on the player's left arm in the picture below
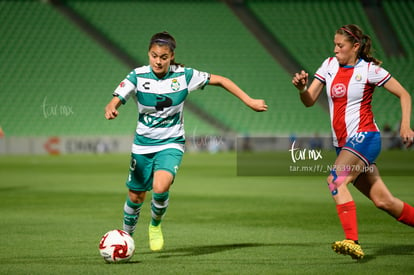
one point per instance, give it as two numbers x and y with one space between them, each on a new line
257 105
394 87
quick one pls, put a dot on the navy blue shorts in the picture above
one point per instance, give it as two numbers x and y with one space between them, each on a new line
365 145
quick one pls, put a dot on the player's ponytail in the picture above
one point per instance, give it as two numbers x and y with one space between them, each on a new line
162 39
355 34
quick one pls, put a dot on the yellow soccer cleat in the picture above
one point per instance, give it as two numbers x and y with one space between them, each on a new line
156 240
348 247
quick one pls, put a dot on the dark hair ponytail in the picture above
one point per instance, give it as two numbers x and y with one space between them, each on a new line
354 34
165 39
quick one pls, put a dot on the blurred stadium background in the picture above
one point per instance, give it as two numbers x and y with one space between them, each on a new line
61 60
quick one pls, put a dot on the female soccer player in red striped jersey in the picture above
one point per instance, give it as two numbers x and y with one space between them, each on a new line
350 78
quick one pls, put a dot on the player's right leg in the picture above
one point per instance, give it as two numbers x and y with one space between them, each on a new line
348 247
132 209
139 182
338 182
346 210
356 156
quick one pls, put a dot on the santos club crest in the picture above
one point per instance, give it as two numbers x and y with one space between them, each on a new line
175 85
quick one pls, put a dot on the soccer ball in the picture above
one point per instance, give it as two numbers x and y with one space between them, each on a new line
116 246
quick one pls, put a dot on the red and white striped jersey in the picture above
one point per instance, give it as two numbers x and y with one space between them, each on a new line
349 90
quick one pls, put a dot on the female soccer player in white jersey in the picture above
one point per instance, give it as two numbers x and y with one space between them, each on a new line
160 90
350 78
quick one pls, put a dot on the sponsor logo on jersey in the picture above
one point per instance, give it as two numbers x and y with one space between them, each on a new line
163 102
146 85
152 121
358 77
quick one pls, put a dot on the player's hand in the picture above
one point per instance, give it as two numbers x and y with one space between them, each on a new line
110 112
300 80
407 136
258 105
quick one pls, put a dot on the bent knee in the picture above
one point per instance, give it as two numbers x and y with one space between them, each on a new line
338 178
137 196
385 203
330 179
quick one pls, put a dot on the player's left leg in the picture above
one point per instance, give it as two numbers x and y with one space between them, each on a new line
372 186
166 164
159 204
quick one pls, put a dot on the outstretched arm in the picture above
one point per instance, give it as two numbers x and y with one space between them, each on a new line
307 95
111 111
257 105
394 87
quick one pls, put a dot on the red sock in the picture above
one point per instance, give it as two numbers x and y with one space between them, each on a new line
347 216
407 215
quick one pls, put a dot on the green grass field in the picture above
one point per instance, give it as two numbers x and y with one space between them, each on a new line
54 210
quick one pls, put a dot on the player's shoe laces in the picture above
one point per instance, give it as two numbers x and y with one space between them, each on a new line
156 240
348 247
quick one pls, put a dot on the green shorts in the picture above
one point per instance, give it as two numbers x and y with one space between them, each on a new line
142 167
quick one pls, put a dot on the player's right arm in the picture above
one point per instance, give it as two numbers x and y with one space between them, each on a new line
121 94
308 96
111 110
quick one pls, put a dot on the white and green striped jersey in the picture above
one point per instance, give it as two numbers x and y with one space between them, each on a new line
160 105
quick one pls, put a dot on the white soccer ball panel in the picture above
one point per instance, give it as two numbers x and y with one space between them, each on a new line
116 246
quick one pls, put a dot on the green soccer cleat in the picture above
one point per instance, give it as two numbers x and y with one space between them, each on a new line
348 247
156 240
